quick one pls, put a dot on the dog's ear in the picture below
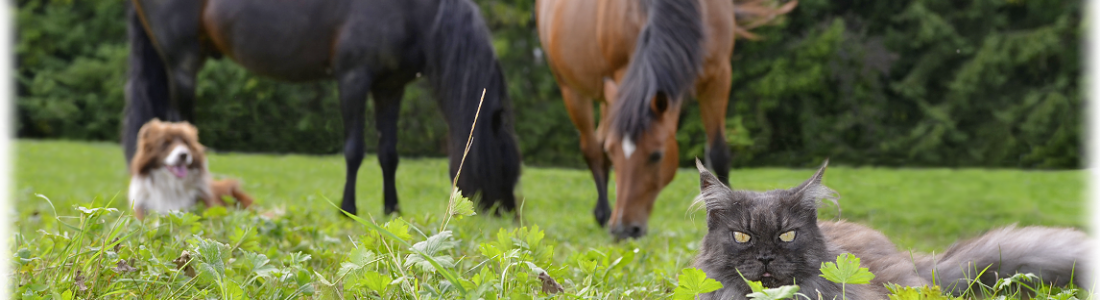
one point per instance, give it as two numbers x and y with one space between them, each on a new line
191 131
145 133
146 146
146 130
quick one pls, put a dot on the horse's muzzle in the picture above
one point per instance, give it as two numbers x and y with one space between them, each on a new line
622 232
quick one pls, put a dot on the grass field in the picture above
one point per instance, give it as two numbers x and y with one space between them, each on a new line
311 251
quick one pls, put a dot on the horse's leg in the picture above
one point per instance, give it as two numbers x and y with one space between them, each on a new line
169 92
713 100
387 107
147 91
183 84
580 111
353 86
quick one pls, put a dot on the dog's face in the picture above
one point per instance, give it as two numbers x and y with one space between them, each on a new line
174 146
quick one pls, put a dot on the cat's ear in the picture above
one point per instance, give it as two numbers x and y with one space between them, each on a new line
811 191
706 179
712 193
815 179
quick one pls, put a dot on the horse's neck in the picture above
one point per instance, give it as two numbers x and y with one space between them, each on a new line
460 58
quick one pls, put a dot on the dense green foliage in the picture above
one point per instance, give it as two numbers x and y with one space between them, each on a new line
990 83
70 240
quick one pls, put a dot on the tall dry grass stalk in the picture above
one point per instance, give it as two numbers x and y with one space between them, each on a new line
455 193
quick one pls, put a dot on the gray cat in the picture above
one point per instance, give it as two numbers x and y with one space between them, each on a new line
774 237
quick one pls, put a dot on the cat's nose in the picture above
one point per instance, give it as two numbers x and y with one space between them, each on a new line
765 258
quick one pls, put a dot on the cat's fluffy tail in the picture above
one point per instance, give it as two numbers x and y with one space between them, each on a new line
1055 255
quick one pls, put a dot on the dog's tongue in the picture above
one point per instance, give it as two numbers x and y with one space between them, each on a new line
179 171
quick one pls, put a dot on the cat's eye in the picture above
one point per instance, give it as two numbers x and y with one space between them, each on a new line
740 237
787 236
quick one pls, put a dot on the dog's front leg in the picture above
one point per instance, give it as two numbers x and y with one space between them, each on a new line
139 213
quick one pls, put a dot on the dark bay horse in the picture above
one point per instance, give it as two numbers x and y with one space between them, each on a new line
366 46
638 59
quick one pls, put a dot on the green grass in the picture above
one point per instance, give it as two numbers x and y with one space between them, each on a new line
926 209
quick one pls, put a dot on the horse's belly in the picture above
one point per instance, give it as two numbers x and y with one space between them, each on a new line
294 68
285 40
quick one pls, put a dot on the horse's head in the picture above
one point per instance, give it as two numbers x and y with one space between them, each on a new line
645 162
641 142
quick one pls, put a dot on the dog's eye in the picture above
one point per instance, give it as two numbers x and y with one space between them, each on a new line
787 236
741 237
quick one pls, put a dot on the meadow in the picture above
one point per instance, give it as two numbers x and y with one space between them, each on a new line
75 238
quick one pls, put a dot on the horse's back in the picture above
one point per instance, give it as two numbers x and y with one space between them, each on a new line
303 40
567 31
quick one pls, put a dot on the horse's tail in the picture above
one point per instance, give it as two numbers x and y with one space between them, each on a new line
462 63
755 13
147 92
1056 255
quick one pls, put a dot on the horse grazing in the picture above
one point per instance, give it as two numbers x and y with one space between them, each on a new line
638 59
366 46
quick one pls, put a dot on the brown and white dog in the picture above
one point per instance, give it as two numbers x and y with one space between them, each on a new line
169 171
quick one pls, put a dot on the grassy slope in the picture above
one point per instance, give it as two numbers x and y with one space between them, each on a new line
926 209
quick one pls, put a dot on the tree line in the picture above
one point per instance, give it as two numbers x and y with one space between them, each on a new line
923 83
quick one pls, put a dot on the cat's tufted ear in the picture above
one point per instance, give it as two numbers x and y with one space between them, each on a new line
706 179
816 179
712 193
812 191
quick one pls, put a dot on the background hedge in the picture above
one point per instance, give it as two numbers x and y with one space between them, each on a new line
983 83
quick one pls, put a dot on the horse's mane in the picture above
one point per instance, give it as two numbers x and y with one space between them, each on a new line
461 63
667 58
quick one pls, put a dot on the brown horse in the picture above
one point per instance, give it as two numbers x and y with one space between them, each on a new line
638 59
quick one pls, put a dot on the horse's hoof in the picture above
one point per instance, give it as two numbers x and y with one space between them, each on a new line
349 211
601 217
395 210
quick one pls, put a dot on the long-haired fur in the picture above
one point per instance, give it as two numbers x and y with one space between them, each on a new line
169 171
1056 255
461 64
146 88
667 58
161 148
